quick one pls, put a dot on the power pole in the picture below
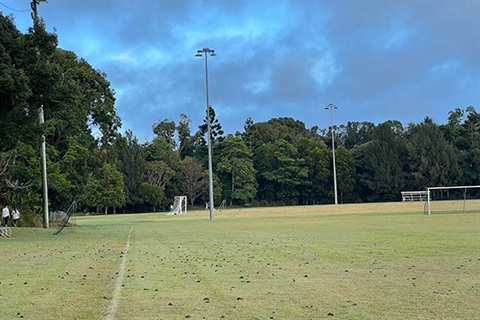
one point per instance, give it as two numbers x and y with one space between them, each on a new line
43 156
34 4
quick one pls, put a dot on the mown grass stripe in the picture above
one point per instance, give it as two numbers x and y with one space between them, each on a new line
112 307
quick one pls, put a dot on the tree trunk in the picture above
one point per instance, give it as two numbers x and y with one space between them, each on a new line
233 188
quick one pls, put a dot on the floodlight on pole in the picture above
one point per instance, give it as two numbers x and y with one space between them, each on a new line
331 106
206 52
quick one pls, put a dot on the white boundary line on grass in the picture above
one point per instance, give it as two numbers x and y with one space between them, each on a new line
112 308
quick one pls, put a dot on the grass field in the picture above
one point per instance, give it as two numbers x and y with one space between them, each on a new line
368 261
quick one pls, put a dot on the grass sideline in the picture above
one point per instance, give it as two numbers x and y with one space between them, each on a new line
359 261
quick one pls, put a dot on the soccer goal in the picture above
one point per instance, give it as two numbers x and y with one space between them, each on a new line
179 206
222 205
457 199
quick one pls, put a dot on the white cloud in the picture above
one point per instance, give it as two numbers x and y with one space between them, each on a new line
325 70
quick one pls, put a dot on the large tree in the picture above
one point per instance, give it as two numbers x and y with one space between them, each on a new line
288 174
381 163
432 160
317 159
185 140
345 167
132 164
355 133
18 121
105 188
166 129
463 131
247 133
78 109
236 162
216 132
192 179
80 117
160 156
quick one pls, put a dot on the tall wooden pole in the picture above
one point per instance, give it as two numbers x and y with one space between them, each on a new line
43 158
43 153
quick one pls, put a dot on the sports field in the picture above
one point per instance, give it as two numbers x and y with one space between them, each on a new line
363 261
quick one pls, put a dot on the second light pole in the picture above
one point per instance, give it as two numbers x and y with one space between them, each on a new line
331 106
205 52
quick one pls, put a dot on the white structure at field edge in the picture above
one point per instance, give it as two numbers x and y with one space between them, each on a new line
427 209
179 206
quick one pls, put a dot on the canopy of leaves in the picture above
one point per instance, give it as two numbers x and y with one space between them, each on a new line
236 163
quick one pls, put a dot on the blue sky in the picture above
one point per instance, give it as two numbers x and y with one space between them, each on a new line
376 60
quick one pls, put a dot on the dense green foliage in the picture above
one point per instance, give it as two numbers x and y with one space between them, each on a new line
278 162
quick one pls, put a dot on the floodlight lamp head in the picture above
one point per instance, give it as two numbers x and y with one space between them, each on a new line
205 50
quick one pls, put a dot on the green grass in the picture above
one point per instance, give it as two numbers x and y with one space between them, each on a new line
376 261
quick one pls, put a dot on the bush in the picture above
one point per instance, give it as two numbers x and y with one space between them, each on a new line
30 219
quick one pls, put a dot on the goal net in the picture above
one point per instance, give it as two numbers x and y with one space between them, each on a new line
458 199
179 206
70 212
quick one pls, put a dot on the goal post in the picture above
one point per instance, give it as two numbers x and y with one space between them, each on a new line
453 199
179 206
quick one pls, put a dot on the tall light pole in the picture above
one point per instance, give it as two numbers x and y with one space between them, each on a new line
205 52
331 106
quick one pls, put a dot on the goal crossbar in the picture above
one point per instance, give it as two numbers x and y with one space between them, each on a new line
429 189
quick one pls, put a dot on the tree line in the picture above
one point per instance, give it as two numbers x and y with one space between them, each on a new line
277 162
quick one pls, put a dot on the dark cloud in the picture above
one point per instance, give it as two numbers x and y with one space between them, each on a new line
377 60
